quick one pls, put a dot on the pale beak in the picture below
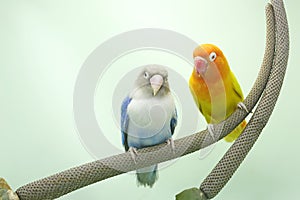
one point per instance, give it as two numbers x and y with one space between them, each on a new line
201 65
156 82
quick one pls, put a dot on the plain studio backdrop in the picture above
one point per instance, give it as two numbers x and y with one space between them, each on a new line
43 47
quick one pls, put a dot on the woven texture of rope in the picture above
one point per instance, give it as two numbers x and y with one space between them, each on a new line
67 181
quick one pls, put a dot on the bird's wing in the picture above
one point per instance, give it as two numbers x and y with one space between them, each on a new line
124 121
173 122
236 87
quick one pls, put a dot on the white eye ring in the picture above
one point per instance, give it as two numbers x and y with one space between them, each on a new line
212 56
146 75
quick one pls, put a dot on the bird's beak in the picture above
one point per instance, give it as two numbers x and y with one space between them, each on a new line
201 65
156 82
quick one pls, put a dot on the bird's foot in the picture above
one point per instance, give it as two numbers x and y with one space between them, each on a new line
170 142
133 153
242 106
207 150
211 130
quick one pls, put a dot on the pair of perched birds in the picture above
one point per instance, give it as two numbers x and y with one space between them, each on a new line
148 113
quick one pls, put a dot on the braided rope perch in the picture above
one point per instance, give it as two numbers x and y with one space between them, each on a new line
266 87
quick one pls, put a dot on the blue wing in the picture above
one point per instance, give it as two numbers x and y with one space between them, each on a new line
124 121
173 122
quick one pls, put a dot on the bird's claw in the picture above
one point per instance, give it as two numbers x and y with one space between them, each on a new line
172 144
133 153
211 130
207 150
242 106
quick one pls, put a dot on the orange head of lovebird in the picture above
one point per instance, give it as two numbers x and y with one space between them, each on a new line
210 62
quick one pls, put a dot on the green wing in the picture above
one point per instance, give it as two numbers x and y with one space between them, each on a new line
236 87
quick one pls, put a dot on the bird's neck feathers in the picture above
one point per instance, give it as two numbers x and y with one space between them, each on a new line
210 86
213 75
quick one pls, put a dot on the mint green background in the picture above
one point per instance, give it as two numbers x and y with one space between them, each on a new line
43 45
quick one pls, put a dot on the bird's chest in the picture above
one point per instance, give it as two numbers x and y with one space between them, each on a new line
149 121
211 93
214 100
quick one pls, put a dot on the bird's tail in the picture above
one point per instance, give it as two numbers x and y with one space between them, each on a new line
147 176
236 132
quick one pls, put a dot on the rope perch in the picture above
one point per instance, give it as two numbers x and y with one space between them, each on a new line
267 85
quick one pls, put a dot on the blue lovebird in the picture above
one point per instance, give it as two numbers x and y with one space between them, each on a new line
148 117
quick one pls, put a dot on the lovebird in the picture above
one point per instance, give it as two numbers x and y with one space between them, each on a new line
148 117
215 89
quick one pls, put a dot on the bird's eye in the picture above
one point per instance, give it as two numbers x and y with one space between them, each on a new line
212 56
146 75
166 79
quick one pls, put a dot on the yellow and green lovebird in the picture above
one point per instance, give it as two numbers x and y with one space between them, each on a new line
215 89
